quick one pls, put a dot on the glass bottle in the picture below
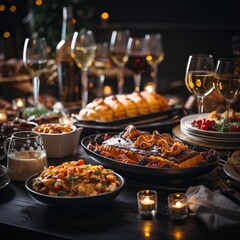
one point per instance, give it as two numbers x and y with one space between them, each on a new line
68 80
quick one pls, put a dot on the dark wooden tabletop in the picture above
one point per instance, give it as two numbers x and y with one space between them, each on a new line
23 218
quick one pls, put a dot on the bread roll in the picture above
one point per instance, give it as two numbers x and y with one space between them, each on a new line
120 106
142 105
129 105
155 101
117 106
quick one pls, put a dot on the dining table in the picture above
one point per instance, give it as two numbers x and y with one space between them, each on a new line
21 217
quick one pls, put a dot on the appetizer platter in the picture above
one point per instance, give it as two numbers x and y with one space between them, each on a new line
155 156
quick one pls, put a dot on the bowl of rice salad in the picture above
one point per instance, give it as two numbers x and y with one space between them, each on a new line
75 184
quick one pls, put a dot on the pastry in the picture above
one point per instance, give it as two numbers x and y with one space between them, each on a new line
129 105
122 106
117 106
142 105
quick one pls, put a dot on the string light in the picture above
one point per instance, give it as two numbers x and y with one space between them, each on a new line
38 2
2 8
13 8
6 34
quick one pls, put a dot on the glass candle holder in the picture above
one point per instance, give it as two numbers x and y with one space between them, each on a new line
147 202
177 206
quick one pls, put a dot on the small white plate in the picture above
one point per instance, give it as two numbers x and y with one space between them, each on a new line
185 123
231 172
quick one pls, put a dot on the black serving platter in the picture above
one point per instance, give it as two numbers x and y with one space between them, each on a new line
158 119
76 202
146 173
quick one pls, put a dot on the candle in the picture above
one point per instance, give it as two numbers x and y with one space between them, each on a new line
65 120
3 115
147 202
18 103
149 87
177 206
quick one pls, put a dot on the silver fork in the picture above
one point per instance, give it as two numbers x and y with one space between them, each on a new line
228 190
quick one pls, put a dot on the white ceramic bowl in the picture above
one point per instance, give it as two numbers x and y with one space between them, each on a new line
59 145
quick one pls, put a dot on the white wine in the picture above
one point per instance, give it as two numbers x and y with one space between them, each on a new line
84 56
155 59
228 88
101 66
36 67
119 58
200 82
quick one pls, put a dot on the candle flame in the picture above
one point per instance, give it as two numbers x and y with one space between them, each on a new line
178 204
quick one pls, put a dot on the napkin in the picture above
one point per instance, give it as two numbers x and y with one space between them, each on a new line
213 208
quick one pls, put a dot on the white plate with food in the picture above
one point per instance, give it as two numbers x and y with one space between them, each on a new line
186 123
230 171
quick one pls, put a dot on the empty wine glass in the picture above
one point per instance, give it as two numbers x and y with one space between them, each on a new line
156 55
199 77
35 58
83 51
118 53
101 65
137 51
227 79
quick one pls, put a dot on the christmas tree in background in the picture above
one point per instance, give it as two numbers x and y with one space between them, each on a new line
47 19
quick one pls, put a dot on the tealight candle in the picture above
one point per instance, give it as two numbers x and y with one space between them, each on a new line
3 115
65 120
147 202
177 206
18 103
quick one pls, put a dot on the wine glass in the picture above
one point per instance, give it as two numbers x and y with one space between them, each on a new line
227 79
101 65
35 58
118 53
137 52
83 51
199 77
156 54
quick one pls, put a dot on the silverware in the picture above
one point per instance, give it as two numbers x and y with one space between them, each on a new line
228 190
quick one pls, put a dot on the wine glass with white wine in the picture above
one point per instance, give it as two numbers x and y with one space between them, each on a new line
156 55
83 51
227 80
199 77
118 53
101 65
35 58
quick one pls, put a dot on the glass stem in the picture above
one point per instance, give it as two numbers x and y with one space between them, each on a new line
137 81
36 85
228 110
84 87
155 76
200 104
120 80
100 85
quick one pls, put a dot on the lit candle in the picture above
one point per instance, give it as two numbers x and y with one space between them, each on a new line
65 120
3 115
18 103
149 87
177 206
147 202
